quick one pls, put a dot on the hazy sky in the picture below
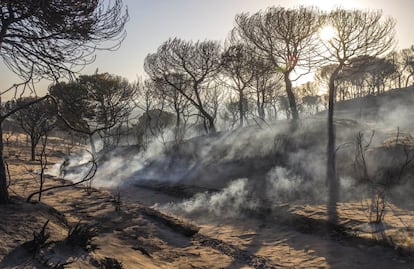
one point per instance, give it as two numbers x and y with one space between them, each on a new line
154 21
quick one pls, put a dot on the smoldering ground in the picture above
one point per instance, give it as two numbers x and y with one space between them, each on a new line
253 167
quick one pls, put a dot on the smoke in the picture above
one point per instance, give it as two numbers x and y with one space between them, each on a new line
114 167
230 202
284 186
73 167
396 117
279 186
257 167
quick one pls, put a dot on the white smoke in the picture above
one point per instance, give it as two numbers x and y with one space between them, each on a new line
230 201
112 169
241 195
72 167
282 185
298 174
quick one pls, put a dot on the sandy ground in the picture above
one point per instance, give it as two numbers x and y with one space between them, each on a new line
140 237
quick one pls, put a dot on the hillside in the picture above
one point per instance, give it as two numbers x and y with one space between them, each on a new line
249 198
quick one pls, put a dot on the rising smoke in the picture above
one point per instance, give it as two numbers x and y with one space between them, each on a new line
254 167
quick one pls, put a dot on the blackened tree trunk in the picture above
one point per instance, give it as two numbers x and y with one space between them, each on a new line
241 108
33 144
4 193
177 129
331 176
177 117
291 97
210 126
260 106
27 32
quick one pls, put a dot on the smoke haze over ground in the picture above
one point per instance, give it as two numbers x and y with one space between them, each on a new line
253 167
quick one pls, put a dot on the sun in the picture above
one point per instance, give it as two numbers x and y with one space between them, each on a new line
326 33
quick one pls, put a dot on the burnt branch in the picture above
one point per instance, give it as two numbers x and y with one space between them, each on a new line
89 176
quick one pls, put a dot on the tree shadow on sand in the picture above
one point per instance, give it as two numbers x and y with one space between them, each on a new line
285 239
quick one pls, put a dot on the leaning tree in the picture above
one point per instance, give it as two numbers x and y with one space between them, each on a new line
53 39
355 33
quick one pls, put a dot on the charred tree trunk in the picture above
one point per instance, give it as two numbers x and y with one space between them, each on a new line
177 131
260 107
260 101
43 165
291 97
241 108
4 193
331 176
177 117
209 126
33 148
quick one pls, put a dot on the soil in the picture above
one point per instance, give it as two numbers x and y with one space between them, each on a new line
130 228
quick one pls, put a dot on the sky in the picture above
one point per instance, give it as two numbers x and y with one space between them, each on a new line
154 21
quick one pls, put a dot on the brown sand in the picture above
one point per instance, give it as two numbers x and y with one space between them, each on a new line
141 241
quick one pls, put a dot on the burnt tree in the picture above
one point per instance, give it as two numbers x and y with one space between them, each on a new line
51 39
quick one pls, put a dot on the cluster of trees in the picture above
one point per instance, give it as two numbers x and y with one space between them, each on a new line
261 53
274 45
36 120
91 106
51 40
268 51
368 75
95 104
195 83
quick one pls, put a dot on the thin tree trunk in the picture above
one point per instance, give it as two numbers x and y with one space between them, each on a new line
262 107
331 177
4 193
291 97
258 104
33 149
177 130
210 128
177 118
399 81
211 125
241 109
43 164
